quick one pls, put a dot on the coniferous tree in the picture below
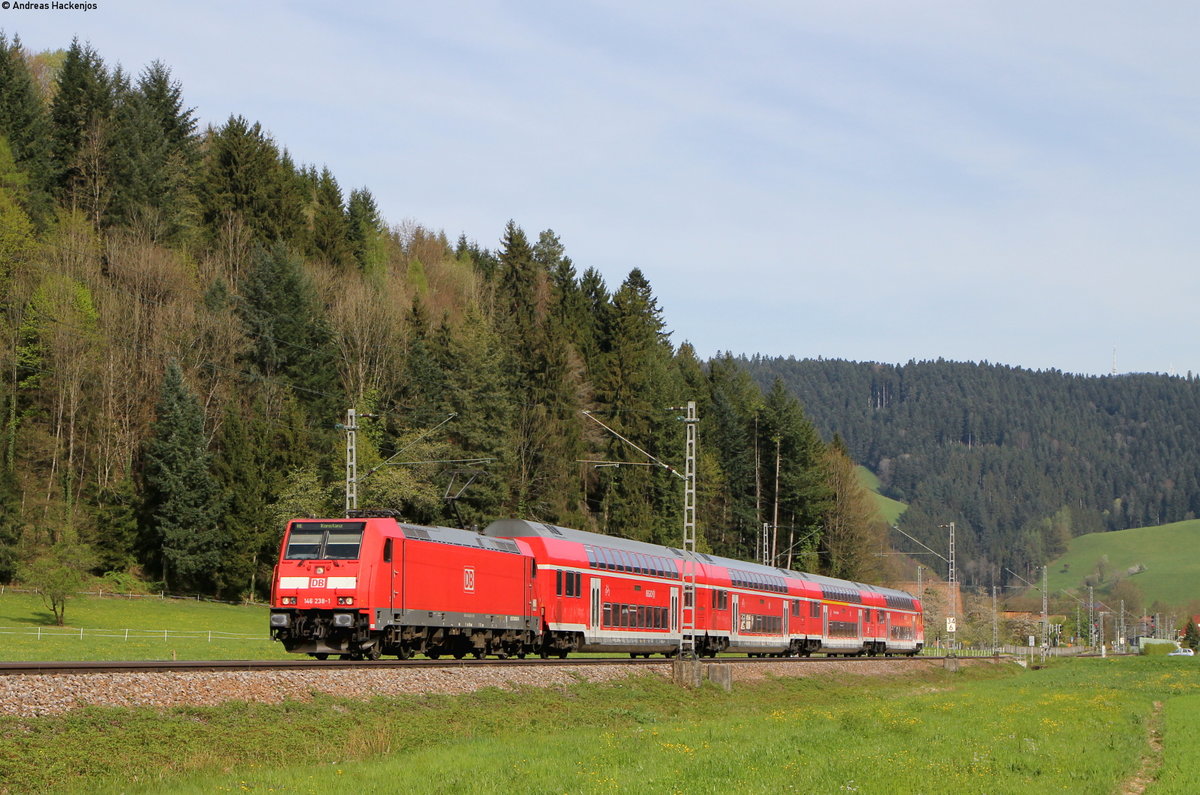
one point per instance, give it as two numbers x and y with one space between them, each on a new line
156 156
23 121
477 393
114 535
246 180
243 472
365 231
290 337
330 238
181 533
10 524
81 131
638 386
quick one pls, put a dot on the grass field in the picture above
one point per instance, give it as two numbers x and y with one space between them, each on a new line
1080 727
888 508
1171 574
133 629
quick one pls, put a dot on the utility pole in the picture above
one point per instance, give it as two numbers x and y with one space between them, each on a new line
1091 617
1045 616
952 599
995 624
775 516
351 460
686 640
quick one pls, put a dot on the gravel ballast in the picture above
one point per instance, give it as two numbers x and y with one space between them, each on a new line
49 694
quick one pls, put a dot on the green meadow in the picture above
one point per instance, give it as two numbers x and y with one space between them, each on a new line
1078 726
1160 560
146 628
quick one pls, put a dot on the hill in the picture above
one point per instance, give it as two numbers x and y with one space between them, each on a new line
889 509
1021 461
1152 563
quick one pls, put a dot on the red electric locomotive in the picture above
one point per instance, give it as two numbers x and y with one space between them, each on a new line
365 587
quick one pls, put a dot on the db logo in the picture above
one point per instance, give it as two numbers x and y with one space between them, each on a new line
316 582
469 580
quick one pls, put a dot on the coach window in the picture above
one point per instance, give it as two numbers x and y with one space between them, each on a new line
814 609
387 551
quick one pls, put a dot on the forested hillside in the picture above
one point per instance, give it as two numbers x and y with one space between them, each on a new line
187 314
1020 460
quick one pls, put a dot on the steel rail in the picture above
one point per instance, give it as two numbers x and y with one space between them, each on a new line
60 667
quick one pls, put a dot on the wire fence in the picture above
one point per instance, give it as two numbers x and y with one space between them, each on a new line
161 595
81 633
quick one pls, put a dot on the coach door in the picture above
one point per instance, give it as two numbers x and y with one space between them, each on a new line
735 613
389 556
675 611
595 603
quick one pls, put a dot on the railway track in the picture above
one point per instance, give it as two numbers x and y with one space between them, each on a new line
52 667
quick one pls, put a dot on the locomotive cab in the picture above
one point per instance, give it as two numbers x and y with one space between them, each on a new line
319 602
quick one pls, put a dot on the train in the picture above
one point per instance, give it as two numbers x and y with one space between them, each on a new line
369 585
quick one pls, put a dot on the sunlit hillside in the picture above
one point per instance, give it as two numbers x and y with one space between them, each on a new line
1161 561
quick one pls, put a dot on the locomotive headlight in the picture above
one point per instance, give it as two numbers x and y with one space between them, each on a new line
288 600
345 600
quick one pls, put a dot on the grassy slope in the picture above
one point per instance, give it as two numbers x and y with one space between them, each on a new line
1172 572
888 508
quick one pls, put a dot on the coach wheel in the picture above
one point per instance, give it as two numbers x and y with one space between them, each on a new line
433 655
404 653
372 653
544 654
477 654
458 655
321 656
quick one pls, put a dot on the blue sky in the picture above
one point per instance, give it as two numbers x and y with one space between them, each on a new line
1011 182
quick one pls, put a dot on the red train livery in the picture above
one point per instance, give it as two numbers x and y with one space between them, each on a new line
364 587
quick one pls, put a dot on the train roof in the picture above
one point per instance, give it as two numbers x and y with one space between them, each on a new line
523 528
438 534
462 538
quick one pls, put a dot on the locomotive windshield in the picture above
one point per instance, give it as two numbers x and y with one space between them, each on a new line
324 541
